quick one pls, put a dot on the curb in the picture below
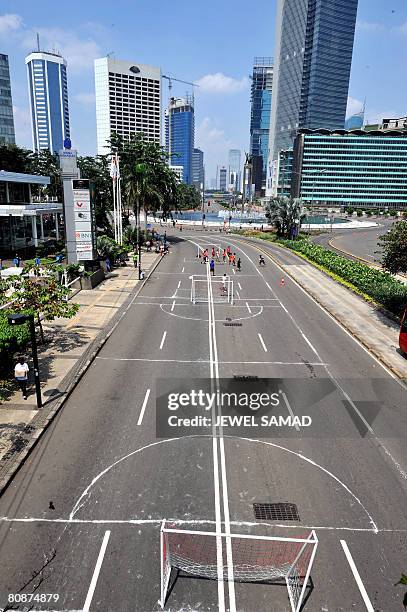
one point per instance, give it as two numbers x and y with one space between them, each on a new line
400 375
73 378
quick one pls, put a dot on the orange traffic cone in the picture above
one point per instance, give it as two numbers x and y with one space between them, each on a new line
282 282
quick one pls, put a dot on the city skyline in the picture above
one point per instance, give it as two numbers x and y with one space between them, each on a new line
222 101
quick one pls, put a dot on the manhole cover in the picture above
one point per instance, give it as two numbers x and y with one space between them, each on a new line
276 512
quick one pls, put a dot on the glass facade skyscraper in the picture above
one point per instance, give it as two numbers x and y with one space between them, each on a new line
180 129
198 172
261 92
7 134
314 45
48 92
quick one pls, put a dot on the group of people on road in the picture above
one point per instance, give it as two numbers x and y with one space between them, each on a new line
216 254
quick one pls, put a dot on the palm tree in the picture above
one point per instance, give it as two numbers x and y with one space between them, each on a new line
285 214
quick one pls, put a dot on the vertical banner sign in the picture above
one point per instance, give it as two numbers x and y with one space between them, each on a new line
85 235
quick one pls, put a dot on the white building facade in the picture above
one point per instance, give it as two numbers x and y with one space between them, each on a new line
128 101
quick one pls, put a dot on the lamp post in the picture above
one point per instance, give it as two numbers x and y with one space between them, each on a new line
20 319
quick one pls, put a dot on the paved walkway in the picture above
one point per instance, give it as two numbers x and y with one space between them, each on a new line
67 341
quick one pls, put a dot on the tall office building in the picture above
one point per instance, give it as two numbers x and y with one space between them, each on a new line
48 93
261 93
234 168
314 45
198 172
180 132
223 173
7 134
128 101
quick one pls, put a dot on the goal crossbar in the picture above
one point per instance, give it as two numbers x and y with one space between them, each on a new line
255 558
220 289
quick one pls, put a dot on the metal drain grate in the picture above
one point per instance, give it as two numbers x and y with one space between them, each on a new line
243 377
233 324
276 512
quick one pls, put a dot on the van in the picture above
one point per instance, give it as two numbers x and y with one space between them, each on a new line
403 333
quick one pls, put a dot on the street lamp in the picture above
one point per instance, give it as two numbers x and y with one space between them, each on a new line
20 319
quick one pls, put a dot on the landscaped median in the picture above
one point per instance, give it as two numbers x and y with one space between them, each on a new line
374 285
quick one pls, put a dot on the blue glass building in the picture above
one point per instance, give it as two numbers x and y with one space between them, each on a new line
314 45
7 134
358 168
48 91
180 131
261 92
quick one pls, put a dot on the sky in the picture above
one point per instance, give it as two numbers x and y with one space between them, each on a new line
211 43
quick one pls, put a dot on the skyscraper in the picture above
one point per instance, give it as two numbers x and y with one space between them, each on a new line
7 134
234 168
222 178
314 45
261 93
198 173
180 134
128 100
48 93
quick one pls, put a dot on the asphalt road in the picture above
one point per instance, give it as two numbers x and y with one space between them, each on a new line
112 481
359 243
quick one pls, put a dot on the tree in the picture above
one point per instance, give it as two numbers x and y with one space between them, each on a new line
285 214
15 159
394 245
187 197
41 295
46 163
96 169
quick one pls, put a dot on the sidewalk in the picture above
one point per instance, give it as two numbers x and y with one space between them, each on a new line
377 332
68 340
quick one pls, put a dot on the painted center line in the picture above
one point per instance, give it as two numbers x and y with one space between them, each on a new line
96 572
357 577
262 342
163 340
143 408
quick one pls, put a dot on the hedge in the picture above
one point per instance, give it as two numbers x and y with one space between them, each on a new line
380 286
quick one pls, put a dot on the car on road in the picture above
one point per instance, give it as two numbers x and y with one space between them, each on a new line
403 333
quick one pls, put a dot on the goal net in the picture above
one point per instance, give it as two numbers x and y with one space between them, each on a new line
255 559
221 288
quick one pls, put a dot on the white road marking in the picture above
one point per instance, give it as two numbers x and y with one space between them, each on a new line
239 285
179 284
163 340
357 577
238 295
234 271
173 306
290 410
96 572
262 342
182 271
309 343
140 419
248 308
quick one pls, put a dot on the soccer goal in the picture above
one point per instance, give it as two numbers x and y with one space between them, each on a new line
221 289
255 559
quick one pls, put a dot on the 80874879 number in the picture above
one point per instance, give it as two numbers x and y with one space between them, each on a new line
32 597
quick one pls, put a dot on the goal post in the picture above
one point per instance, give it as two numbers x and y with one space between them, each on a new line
255 559
221 289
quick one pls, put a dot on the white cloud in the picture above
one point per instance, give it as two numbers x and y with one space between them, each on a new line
369 26
10 22
22 125
220 83
354 106
86 99
214 143
373 116
78 52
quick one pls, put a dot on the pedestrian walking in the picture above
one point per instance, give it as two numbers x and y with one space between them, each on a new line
239 263
21 375
108 264
16 261
234 259
212 267
224 254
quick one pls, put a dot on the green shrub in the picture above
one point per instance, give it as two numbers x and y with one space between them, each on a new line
380 286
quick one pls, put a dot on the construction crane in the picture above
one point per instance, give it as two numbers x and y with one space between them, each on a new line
170 80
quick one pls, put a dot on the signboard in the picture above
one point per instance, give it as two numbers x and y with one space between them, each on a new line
84 220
